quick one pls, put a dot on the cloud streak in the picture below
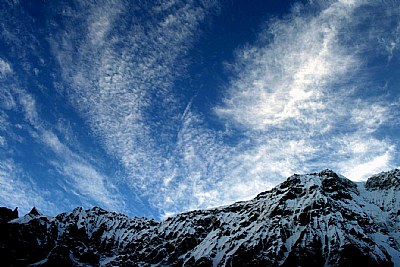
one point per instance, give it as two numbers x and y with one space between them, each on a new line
122 84
18 188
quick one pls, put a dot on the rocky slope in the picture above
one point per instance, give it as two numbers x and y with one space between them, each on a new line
318 219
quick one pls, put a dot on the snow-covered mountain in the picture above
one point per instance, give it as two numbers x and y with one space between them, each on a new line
318 219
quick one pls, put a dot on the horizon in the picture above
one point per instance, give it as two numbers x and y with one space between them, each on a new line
165 217
152 109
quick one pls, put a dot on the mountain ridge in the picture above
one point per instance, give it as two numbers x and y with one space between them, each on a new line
317 219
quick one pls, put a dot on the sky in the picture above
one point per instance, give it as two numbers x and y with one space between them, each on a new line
151 108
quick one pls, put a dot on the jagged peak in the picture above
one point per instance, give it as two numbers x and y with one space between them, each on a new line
328 173
35 212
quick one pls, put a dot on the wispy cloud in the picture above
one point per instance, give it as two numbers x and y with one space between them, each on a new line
85 180
122 83
17 187
300 97
19 190
5 68
361 155
290 78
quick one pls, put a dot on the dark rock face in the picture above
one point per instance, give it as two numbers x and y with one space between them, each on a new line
7 215
319 219
384 180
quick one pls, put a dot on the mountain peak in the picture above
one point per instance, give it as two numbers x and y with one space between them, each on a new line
384 180
322 175
327 173
325 180
35 212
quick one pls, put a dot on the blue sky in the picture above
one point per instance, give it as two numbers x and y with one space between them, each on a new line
151 108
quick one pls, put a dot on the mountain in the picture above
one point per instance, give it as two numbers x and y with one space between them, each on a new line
317 219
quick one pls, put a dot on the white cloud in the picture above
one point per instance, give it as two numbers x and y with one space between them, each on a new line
99 24
370 116
365 157
299 99
7 101
5 68
290 77
28 106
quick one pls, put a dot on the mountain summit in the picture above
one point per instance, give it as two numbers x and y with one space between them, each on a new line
317 219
